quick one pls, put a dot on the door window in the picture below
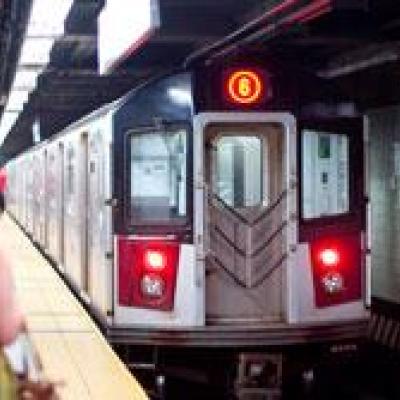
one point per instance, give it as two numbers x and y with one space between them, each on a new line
238 177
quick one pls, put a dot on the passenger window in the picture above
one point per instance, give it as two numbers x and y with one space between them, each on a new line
238 170
70 171
325 174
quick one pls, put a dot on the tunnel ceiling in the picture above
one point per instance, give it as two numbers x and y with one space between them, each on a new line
343 41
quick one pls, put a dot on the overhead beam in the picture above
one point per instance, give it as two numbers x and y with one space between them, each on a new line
85 77
358 60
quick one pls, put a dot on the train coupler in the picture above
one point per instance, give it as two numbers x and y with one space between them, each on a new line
259 376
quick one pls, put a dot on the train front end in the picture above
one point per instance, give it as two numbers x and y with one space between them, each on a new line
240 222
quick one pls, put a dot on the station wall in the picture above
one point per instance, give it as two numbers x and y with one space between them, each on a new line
384 163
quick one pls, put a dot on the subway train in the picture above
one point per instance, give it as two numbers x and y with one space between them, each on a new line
216 215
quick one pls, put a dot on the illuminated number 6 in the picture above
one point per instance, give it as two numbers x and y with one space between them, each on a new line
244 87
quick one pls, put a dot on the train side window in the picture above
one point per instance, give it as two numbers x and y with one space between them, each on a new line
158 176
325 174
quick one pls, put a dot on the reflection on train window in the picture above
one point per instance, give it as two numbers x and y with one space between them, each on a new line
238 170
70 171
158 176
325 174
51 182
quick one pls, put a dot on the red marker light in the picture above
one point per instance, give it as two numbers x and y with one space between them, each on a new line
329 257
155 259
245 87
148 271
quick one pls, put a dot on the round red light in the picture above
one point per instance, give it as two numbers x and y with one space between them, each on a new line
329 257
155 259
245 87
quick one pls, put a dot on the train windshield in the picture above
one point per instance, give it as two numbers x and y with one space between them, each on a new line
325 174
158 181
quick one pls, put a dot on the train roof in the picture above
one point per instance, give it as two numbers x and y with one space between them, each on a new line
110 107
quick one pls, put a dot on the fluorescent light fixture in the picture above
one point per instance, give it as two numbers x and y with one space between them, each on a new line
24 79
8 120
47 17
124 28
36 51
16 100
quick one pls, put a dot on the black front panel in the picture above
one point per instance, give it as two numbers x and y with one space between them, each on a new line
212 87
332 207
154 107
353 217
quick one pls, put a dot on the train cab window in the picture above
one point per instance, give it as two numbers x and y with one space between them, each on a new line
238 170
325 174
158 177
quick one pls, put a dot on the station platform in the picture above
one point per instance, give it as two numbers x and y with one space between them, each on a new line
71 347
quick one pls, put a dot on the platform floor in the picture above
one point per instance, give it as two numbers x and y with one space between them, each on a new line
71 347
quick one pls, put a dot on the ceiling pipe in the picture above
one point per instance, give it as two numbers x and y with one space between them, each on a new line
266 23
311 12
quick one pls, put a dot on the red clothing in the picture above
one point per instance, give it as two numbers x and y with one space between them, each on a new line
3 180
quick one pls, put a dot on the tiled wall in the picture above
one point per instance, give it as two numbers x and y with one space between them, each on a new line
384 153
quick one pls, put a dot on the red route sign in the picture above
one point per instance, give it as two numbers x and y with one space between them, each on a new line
245 87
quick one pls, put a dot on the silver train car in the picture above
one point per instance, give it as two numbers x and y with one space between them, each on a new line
202 211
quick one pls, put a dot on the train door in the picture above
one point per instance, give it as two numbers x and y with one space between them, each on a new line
70 187
53 189
331 280
22 191
84 209
24 199
98 233
75 197
36 195
47 199
43 199
24 183
61 204
28 192
51 174
246 206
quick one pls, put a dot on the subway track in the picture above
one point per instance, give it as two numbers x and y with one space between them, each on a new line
371 374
